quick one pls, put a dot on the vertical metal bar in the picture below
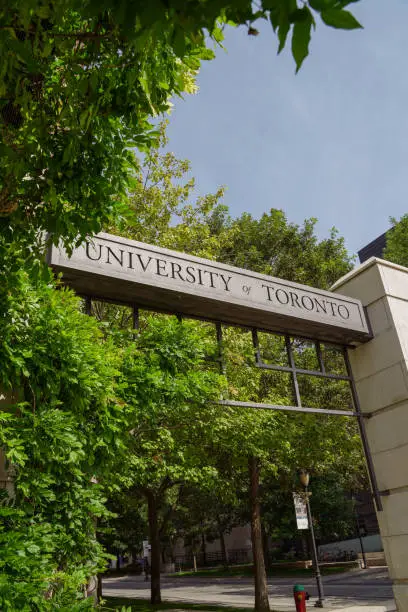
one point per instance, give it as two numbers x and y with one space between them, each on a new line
255 342
292 365
135 317
359 532
363 433
88 305
218 327
179 318
319 602
320 357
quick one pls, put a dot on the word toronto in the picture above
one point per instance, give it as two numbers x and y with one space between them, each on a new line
185 272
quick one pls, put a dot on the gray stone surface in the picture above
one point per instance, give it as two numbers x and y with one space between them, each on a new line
148 276
366 590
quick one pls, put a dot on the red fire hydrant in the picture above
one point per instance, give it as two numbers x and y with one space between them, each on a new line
301 596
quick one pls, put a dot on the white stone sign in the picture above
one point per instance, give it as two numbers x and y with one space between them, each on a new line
125 270
300 511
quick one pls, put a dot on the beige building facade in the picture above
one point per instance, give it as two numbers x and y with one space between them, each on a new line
380 370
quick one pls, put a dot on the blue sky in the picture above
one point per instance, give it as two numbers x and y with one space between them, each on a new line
330 142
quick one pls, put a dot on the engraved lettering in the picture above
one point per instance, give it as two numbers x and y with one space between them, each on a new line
332 304
282 292
111 252
212 274
88 255
321 305
226 282
274 303
161 267
190 278
268 289
304 299
347 312
144 265
175 271
294 298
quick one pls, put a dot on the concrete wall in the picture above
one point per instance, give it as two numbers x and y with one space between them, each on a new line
381 374
238 539
371 543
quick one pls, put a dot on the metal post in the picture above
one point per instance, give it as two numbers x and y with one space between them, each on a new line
359 534
362 549
221 361
135 317
255 342
320 357
295 384
319 602
88 305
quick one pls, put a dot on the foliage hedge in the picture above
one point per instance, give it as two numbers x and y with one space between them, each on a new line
61 429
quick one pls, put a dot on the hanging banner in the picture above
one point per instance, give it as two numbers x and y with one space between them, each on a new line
146 548
300 511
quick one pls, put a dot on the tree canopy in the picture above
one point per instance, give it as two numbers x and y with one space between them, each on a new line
80 81
96 397
397 242
61 432
263 448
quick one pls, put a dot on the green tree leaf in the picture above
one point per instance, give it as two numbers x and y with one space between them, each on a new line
301 36
340 19
321 5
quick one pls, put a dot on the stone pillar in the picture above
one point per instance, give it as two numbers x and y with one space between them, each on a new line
380 371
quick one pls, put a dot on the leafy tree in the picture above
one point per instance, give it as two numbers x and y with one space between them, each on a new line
332 509
162 208
169 394
269 245
208 514
271 445
397 242
123 531
80 80
61 433
273 245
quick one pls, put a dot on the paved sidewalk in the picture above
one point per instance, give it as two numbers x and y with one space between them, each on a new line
356 591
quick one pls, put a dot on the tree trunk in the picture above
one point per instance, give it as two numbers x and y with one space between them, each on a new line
224 550
261 587
305 546
204 549
155 592
265 545
99 589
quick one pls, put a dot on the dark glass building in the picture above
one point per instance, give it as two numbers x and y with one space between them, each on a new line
375 248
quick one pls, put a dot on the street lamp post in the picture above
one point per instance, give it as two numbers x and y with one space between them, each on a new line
304 480
360 533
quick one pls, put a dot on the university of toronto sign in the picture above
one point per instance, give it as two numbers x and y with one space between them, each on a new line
123 270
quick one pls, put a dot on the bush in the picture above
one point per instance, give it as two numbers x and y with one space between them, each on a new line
61 433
